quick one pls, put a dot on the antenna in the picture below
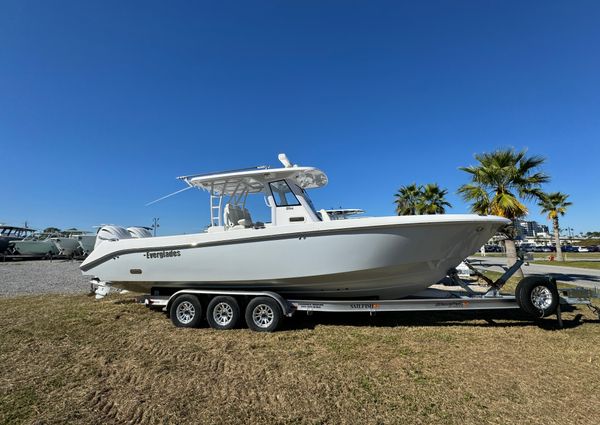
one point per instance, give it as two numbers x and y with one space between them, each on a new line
155 225
169 195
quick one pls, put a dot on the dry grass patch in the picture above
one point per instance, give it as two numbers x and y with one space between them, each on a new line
71 359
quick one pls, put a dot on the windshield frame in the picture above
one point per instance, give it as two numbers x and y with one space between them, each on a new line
309 201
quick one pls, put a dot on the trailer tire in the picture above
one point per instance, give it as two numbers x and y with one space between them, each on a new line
186 311
537 296
263 314
223 313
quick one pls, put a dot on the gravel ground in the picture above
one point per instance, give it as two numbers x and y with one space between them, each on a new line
42 277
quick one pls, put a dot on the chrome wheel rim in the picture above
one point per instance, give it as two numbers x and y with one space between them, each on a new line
223 314
541 297
185 312
263 315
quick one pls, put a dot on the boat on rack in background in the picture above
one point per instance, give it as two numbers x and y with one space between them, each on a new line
67 242
86 242
12 233
35 245
342 213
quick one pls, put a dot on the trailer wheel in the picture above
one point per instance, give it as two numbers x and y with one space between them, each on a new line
186 311
263 314
223 313
537 296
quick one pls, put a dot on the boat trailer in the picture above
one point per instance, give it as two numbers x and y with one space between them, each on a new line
538 296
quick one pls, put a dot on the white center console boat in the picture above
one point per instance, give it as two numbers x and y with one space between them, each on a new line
302 252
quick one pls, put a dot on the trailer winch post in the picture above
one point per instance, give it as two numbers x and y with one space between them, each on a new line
498 283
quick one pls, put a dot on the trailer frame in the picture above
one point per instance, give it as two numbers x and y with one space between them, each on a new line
428 300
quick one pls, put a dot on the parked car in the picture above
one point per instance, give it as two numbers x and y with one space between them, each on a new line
583 249
527 247
594 248
492 248
569 248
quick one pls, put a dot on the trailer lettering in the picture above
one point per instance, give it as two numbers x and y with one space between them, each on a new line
311 306
365 305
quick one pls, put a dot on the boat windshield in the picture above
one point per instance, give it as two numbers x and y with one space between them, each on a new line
308 201
282 194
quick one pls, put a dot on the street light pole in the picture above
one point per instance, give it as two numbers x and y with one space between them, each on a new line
570 229
155 224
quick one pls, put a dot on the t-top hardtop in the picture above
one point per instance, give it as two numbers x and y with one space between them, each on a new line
283 189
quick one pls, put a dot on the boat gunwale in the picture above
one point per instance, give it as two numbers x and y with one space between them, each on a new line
288 235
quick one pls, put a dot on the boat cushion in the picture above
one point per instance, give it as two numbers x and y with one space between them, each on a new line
236 217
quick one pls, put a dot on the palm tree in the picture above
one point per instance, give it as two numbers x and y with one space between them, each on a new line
555 204
500 183
432 200
407 199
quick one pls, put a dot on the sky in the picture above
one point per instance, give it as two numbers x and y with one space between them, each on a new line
104 103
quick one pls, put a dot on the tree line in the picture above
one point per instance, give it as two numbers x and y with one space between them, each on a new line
500 184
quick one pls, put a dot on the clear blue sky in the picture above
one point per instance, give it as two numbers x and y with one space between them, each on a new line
104 103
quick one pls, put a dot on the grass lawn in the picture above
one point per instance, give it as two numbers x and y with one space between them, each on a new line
545 255
72 359
578 264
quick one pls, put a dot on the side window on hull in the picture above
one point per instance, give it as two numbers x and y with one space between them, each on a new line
283 195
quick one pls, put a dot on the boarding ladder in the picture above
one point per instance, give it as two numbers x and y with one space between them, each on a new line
215 209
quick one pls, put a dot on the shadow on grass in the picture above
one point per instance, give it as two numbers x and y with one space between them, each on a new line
492 318
509 318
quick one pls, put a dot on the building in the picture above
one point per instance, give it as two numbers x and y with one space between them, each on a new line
530 229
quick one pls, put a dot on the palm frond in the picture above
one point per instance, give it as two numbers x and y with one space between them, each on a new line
507 205
554 204
500 179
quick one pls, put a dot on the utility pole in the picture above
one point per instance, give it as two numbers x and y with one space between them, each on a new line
155 224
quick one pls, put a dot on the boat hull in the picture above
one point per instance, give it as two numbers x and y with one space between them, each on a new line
66 245
4 244
86 243
25 247
390 258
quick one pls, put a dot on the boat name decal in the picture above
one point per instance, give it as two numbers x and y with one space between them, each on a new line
162 254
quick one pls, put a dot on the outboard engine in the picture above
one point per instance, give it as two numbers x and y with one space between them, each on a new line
111 233
139 232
